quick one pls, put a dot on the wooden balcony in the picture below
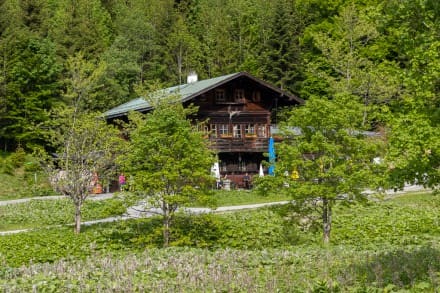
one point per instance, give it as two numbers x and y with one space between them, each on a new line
243 144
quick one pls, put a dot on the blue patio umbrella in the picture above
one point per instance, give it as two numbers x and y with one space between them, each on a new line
271 170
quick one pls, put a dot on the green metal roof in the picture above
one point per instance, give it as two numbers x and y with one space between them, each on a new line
185 91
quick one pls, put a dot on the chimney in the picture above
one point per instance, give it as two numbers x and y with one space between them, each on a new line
192 77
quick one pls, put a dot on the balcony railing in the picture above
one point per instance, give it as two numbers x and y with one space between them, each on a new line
242 144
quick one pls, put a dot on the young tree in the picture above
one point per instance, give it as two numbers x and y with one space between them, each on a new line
86 148
328 156
85 145
168 161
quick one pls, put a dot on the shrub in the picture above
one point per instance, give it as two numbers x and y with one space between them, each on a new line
17 158
6 167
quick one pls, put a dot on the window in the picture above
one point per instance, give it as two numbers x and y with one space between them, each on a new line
237 131
249 130
213 130
261 131
220 95
256 96
239 95
202 127
223 129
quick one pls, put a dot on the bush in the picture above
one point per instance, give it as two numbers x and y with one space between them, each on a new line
17 158
6 167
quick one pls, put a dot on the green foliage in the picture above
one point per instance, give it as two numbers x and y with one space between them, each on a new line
86 147
256 230
29 88
17 158
22 176
281 53
417 221
391 245
325 146
175 164
414 148
312 269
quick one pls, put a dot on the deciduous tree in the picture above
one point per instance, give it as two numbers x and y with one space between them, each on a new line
328 156
86 148
168 160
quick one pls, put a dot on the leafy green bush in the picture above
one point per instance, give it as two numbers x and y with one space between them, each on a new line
17 158
197 231
253 230
6 166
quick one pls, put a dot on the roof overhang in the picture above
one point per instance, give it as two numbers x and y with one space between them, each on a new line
191 90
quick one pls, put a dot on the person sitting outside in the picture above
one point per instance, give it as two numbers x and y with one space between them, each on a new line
247 181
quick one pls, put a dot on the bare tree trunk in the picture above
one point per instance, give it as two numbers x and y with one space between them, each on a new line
166 225
326 220
77 218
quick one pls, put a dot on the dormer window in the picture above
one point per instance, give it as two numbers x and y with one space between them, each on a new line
220 95
239 95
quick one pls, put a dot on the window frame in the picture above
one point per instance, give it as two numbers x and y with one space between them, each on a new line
261 131
220 95
237 131
249 130
239 95
223 130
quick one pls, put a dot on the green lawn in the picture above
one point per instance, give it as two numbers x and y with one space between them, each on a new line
241 197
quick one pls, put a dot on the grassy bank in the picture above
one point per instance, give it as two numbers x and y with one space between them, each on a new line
21 176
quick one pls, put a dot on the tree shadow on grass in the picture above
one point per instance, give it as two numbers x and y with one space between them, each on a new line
399 268
137 234
133 234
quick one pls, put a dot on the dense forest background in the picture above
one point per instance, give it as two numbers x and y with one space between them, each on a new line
384 53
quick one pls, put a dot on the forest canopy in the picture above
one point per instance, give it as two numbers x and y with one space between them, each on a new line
383 53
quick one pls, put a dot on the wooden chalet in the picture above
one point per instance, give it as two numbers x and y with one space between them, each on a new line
240 111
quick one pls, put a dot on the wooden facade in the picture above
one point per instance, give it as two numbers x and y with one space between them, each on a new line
239 116
238 112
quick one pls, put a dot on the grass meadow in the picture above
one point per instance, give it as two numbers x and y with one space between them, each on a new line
382 246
